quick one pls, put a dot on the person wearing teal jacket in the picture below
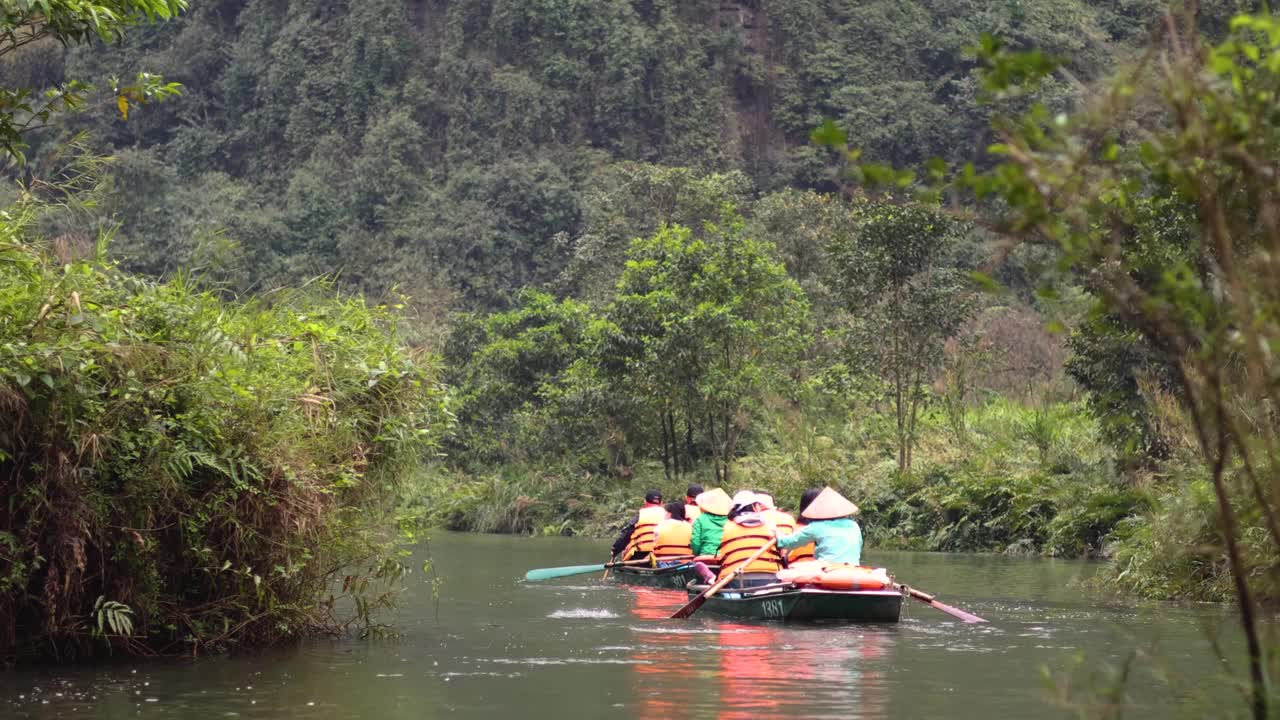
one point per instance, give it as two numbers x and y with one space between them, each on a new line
709 526
836 536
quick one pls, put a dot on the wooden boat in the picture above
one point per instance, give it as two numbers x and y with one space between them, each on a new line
675 577
784 601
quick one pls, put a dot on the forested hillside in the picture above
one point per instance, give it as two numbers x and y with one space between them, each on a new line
457 149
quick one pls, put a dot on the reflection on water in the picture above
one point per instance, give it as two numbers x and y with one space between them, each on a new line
766 669
578 647
666 669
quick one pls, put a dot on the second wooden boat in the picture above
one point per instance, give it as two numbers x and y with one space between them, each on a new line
675 577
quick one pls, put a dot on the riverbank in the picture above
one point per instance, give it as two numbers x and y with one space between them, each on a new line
183 473
1008 478
1012 479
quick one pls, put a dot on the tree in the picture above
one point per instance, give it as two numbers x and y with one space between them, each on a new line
505 364
624 201
904 303
1210 142
709 327
801 224
71 22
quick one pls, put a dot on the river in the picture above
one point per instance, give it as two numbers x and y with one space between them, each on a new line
492 645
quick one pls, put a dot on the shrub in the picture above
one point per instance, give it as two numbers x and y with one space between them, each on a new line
207 464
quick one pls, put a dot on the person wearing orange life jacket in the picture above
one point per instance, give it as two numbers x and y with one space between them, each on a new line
635 540
691 509
744 534
673 536
807 552
785 523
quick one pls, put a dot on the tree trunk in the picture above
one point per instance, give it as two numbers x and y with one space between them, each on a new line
712 436
899 401
666 458
688 441
669 429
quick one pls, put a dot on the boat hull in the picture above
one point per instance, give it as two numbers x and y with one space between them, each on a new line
676 577
793 604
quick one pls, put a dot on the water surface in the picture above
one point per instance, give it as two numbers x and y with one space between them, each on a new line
494 646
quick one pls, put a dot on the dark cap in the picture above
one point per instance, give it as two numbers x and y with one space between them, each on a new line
653 496
694 491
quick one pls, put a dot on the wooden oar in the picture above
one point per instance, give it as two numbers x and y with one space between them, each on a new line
555 572
694 604
928 599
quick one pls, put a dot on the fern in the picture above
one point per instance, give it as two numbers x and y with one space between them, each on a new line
114 615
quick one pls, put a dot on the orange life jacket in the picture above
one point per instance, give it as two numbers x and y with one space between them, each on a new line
740 542
691 512
781 520
641 542
673 537
804 553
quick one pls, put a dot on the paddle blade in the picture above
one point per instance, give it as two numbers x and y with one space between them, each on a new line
957 613
929 600
555 572
690 608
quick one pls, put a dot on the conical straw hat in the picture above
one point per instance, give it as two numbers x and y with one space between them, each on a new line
829 505
715 501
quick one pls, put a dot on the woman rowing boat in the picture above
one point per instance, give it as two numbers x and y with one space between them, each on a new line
836 536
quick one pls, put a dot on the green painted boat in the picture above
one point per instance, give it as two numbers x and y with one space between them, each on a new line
790 603
675 577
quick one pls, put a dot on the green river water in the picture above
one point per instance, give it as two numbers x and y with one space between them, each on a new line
495 646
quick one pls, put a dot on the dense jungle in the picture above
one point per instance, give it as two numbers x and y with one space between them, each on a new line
332 273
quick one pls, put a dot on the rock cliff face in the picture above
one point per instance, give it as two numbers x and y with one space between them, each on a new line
751 127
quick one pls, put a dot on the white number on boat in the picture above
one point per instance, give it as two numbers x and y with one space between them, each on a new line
774 608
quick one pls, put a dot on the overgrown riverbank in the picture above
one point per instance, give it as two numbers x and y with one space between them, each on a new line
183 473
1017 479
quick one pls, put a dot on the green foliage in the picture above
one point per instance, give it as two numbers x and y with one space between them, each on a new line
905 301
1112 362
997 495
113 615
708 327
505 367
206 464
628 200
1197 286
71 22
515 115
702 329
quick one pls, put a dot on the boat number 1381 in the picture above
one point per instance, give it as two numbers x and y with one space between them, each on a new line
774 608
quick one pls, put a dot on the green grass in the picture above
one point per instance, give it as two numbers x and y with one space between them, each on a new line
1021 479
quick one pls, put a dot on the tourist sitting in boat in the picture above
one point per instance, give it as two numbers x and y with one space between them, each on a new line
715 506
836 536
805 552
691 509
672 537
785 523
635 540
745 532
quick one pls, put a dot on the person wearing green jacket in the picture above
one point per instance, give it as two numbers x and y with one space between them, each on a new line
709 526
